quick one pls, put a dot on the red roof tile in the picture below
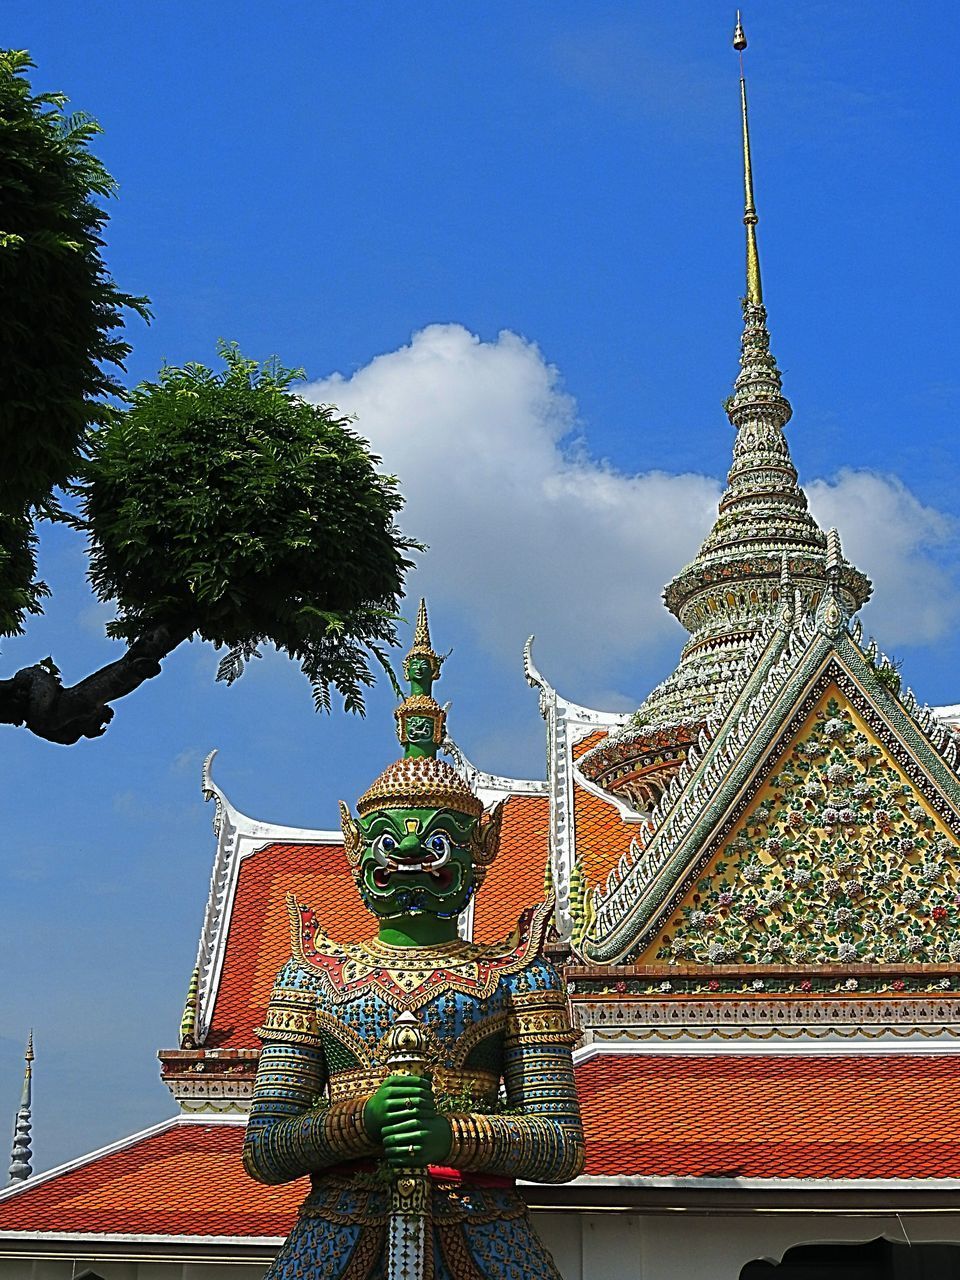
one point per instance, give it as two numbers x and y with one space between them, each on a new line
772 1116
186 1180
258 941
889 1116
515 881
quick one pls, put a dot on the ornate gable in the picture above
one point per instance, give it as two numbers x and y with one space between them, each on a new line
839 857
800 668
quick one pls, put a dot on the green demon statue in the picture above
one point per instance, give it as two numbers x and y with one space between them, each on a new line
415 1076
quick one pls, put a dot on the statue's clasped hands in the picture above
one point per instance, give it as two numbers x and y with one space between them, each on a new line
403 1115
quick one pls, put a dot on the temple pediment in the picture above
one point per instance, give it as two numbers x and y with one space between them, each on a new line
818 822
839 857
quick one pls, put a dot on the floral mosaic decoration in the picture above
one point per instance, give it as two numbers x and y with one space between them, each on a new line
838 862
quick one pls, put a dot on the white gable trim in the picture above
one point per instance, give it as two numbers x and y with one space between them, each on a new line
238 837
766 1049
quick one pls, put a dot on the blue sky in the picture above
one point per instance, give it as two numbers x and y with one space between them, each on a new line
508 237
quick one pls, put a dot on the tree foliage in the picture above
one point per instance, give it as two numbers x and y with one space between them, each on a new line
60 315
216 504
221 505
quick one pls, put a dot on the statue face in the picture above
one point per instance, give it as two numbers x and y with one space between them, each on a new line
416 861
419 669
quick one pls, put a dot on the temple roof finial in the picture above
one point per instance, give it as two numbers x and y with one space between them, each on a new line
754 287
188 1022
22 1154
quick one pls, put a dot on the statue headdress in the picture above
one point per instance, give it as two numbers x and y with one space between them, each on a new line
418 780
422 647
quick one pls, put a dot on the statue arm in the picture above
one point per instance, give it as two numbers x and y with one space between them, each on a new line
293 1129
543 1142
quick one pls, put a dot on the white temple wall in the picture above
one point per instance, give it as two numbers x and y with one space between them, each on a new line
683 1245
679 1245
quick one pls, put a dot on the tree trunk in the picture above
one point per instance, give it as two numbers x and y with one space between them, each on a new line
36 698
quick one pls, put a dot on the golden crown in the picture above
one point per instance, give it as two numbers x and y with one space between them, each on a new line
420 782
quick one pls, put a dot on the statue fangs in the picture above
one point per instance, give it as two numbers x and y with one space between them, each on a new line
415 1076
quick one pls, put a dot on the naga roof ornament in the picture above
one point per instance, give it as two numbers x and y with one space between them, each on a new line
731 590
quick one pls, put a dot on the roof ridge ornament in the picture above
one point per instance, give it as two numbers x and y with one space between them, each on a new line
831 613
20 1163
788 597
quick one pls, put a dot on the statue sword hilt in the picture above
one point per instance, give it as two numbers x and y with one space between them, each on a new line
410 1238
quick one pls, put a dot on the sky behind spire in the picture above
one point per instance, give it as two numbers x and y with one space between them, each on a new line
510 239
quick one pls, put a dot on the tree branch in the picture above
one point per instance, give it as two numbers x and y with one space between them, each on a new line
35 697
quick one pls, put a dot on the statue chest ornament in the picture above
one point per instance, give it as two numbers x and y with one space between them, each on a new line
408 978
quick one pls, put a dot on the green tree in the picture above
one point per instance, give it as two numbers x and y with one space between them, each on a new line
216 505
60 316
221 506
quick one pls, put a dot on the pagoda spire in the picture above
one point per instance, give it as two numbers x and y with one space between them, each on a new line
22 1154
732 587
754 286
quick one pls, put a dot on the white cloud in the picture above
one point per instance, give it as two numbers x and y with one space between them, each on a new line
903 546
529 533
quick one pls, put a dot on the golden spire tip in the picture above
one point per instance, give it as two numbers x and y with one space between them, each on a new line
421 632
754 287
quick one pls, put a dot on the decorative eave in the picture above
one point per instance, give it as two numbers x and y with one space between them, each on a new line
238 836
640 763
720 771
491 787
567 724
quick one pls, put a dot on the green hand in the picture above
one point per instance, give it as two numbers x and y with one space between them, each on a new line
402 1114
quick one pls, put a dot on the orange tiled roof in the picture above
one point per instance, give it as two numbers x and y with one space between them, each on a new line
515 881
258 941
586 744
771 1116
649 1115
601 835
186 1180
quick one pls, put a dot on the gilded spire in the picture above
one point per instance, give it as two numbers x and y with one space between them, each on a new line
421 632
22 1154
419 779
754 288
735 583
422 664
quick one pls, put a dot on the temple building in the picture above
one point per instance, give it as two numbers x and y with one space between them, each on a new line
757 888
